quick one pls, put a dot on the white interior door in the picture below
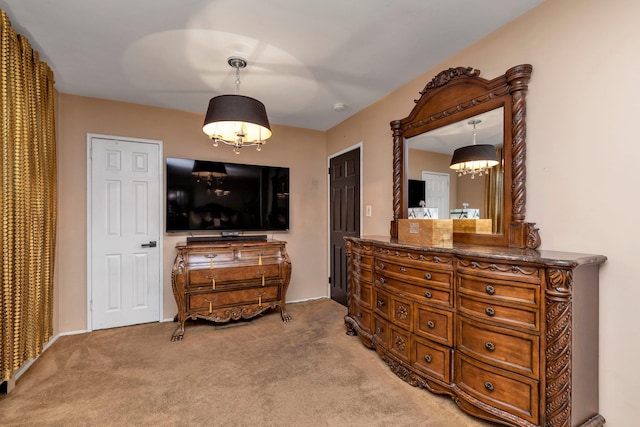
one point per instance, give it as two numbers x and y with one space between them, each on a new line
125 229
437 192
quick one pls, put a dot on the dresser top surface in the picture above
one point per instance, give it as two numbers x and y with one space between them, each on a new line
534 256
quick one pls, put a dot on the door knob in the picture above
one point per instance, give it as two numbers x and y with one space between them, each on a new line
151 244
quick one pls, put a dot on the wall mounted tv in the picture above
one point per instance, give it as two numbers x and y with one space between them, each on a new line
218 196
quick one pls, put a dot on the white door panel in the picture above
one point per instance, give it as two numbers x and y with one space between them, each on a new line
125 186
437 192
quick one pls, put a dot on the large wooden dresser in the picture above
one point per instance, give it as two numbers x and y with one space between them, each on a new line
510 334
229 280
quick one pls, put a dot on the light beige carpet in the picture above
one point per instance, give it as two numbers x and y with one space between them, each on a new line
262 372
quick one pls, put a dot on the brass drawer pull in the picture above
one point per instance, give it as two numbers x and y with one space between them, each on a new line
490 290
427 276
431 324
488 386
490 311
382 266
378 330
380 303
359 315
382 280
427 358
403 270
428 294
489 346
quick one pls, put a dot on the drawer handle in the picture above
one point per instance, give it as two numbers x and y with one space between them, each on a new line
403 270
380 303
427 358
489 346
488 386
428 294
427 276
490 290
378 330
210 256
359 315
382 266
431 324
383 280
490 311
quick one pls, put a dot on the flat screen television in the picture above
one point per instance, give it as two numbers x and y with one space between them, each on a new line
218 196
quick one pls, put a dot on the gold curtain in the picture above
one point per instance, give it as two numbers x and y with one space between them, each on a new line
494 194
28 200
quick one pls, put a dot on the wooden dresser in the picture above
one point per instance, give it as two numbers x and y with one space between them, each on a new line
228 280
511 335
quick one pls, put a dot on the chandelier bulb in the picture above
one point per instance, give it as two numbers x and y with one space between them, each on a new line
215 142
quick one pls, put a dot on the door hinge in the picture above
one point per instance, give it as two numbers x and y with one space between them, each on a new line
328 171
329 279
90 305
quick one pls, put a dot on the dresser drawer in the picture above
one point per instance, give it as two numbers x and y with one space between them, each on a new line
363 293
380 332
415 258
435 324
427 294
432 359
504 348
381 302
248 275
418 274
400 343
362 316
256 255
499 291
513 393
503 271
207 301
362 272
487 310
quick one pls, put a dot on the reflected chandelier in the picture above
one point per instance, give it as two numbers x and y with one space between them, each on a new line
474 159
237 120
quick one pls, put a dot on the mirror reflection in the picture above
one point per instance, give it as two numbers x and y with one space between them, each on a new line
473 198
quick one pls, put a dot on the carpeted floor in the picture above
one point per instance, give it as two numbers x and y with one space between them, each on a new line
262 372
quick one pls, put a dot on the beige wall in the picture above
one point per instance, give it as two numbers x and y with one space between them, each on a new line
582 133
303 151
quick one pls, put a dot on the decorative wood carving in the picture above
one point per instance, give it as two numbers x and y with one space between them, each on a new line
458 93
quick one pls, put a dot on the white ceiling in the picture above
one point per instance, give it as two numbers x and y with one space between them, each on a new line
303 55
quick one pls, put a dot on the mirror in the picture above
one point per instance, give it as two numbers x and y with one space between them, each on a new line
437 191
439 123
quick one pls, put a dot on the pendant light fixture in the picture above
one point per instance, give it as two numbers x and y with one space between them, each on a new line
237 120
474 159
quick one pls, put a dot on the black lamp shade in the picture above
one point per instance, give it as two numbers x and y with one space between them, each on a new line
205 169
234 118
474 157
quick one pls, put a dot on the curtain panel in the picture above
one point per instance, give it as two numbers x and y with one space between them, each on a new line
28 200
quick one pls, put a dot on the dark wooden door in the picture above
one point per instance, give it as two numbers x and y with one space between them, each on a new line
344 205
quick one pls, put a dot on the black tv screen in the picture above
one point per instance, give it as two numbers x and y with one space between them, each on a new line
218 196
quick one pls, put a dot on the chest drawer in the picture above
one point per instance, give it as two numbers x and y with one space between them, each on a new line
253 255
380 332
208 301
362 316
250 274
432 359
206 259
507 349
499 291
504 390
435 324
400 343
401 313
362 272
381 302
487 310
427 294
363 293
501 271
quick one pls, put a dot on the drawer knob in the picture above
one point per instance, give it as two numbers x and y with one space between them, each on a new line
403 270
490 311
427 358
382 266
359 315
378 330
382 280
489 346
380 303
427 276
431 324
490 290
488 386
428 294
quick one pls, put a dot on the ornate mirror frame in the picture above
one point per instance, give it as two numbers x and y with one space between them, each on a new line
457 94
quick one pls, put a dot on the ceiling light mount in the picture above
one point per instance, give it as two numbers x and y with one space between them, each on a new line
236 120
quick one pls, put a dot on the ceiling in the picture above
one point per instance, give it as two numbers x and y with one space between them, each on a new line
304 56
